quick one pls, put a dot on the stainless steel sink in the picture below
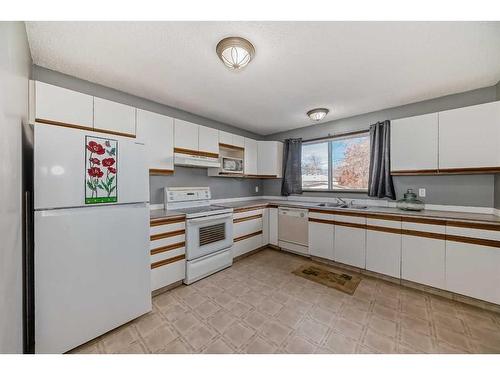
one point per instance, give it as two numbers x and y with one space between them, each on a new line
342 205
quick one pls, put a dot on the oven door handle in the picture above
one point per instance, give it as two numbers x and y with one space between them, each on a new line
208 218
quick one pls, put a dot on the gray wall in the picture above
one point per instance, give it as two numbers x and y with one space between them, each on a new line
221 187
474 190
497 191
15 64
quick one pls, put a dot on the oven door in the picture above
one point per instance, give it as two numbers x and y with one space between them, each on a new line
206 235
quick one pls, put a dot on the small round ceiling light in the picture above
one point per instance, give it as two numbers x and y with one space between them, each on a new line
235 52
318 114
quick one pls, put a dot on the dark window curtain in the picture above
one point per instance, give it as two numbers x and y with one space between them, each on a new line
292 168
380 180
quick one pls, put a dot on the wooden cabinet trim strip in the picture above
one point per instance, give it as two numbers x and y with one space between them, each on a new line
473 241
160 236
167 261
474 170
163 249
417 233
464 224
81 127
321 221
225 145
383 229
195 152
241 238
350 225
423 220
261 176
246 209
167 220
160 172
383 217
411 172
247 218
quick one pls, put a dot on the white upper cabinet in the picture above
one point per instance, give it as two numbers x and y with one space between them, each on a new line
186 135
208 140
115 117
251 156
157 133
414 143
470 137
231 139
57 104
270 158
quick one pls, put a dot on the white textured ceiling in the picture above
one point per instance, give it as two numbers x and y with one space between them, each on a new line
349 67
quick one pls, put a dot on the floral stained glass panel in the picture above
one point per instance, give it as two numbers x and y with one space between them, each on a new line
101 170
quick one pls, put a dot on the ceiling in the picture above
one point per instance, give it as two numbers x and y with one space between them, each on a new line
348 67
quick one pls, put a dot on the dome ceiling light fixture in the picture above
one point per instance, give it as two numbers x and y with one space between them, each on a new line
318 114
235 52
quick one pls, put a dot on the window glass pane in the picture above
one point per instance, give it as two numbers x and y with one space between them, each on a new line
350 162
315 166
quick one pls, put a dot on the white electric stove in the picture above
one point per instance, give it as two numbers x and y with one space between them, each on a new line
209 231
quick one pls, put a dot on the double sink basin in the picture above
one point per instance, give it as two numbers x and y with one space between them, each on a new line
343 205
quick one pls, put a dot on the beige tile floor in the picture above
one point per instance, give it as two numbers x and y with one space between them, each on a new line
259 306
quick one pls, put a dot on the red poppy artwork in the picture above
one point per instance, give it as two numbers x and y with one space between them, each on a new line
101 168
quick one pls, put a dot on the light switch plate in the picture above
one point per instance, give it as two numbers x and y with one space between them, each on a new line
256 189
421 192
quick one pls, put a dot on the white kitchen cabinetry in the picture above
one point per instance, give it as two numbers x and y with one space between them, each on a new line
167 249
270 158
114 117
321 235
273 226
423 253
383 246
265 226
469 137
231 139
473 269
185 135
57 104
157 133
414 143
250 157
248 230
350 240
208 140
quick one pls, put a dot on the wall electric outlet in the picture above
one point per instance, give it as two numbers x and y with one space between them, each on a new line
257 189
421 192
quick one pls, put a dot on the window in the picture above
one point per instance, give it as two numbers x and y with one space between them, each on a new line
336 164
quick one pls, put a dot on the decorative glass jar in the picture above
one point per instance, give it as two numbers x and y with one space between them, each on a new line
410 202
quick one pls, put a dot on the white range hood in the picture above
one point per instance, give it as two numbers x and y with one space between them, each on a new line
196 161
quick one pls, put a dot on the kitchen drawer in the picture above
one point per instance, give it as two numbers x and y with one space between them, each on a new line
168 254
168 274
253 212
320 215
394 224
167 228
166 241
350 219
246 227
247 245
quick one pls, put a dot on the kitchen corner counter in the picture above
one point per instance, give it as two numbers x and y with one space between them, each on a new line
165 214
374 210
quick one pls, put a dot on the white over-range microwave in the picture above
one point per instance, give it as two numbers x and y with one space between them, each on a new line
231 165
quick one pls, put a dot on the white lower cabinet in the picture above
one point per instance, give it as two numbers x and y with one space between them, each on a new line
265 226
321 235
167 248
423 257
246 245
273 226
473 269
248 230
350 240
383 247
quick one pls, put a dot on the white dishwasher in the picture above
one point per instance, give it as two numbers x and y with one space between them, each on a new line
293 229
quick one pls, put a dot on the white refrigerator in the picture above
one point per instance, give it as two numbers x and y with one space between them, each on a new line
91 235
